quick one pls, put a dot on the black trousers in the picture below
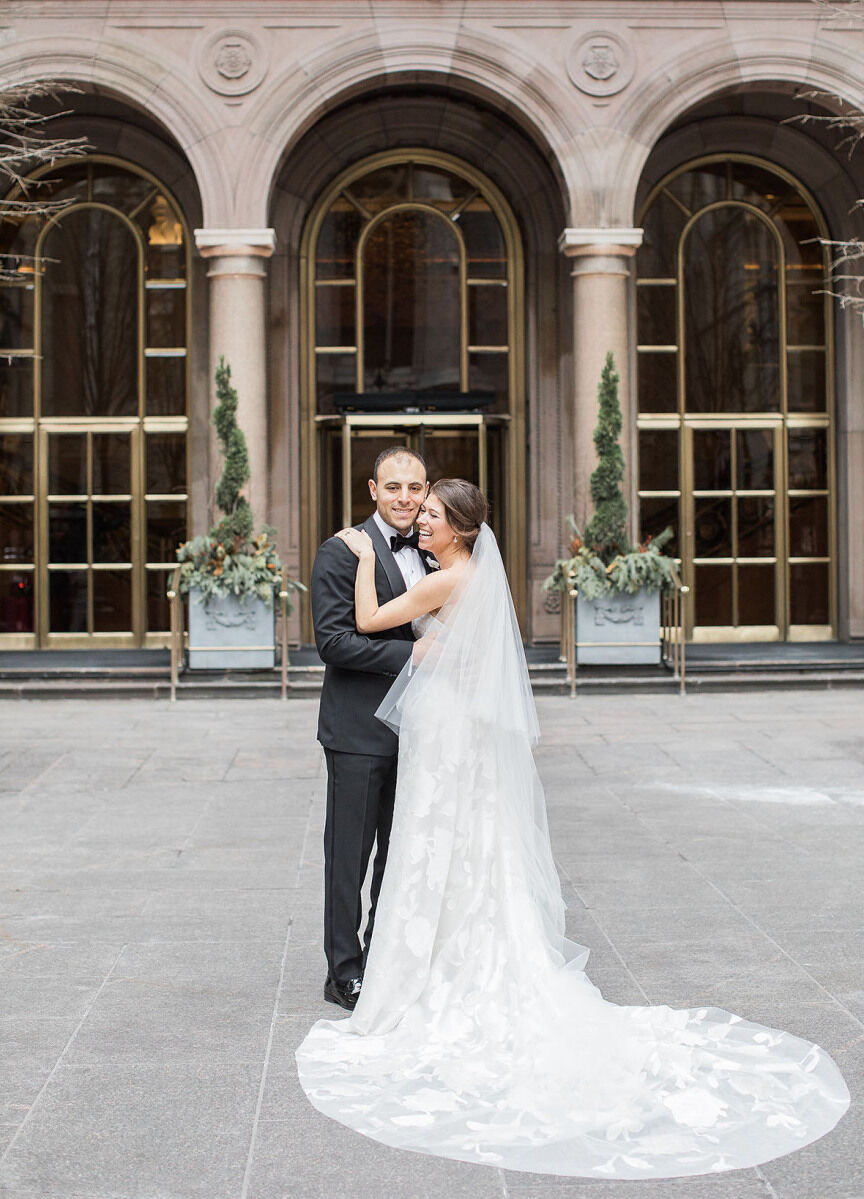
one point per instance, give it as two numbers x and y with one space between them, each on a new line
360 793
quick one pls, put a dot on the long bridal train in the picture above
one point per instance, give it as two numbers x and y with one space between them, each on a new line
478 1035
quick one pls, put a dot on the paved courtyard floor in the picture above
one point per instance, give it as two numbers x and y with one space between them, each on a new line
160 920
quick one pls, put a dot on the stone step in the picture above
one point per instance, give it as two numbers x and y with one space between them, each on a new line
304 682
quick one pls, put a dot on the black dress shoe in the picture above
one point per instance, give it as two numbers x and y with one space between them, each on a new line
345 994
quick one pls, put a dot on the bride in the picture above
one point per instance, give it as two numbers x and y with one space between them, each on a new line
477 1034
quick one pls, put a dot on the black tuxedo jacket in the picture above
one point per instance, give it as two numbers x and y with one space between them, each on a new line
359 668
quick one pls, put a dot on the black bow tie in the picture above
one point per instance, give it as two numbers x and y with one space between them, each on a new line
398 542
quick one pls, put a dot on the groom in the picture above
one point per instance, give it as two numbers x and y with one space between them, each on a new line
359 750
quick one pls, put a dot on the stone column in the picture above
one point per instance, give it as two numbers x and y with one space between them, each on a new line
237 270
601 322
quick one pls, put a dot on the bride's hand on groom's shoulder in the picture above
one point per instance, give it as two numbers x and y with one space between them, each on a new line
358 541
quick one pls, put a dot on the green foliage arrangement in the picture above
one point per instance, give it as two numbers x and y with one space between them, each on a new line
231 559
603 561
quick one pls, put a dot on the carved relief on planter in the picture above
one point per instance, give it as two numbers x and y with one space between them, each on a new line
600 64
618 630
227 633
232 62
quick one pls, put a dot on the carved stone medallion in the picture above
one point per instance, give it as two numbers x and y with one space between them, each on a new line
232 62
600 64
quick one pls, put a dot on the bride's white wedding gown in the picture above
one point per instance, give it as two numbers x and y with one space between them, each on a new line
478 1035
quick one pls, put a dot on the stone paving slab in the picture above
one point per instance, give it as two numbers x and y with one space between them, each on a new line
160 929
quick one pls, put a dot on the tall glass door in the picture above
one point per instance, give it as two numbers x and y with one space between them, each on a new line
734 530
467 446
89 519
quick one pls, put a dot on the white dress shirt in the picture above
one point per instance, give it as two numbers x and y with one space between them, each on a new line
408 560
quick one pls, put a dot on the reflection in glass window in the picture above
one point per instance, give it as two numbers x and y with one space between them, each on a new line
731 314
411 305
90 305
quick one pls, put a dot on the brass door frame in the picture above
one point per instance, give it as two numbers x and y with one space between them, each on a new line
515 454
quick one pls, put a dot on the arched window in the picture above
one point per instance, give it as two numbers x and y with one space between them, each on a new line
93 335
735 405
414 277
413 288
411 279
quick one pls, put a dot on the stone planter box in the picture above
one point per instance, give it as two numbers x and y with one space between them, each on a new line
618 630
229 633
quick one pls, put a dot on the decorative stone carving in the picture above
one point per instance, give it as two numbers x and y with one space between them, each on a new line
552 602
618 630
619 613
600 64
231 618
232 62
227 633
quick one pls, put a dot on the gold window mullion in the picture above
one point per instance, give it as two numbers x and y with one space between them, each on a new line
359 346
43 582
40 463
733 532
137 515
137 450
781 526
90 581
688 517
463 302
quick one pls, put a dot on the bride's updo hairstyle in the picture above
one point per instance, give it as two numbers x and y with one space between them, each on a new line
464 507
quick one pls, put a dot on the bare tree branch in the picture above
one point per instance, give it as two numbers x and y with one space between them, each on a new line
845 282
26 144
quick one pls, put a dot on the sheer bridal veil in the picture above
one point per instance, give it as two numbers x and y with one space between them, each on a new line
472 685
474 656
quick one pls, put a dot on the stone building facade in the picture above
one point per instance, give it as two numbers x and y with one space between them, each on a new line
429 221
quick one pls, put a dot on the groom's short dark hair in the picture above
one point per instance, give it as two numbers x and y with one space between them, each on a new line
396 451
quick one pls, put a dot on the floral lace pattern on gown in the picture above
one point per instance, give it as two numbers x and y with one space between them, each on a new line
478 1035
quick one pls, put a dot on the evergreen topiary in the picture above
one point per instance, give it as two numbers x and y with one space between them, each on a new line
230 560
236 523
606 532
603 562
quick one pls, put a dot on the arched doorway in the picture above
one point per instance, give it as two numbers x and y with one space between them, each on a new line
735 421
412 330
93 410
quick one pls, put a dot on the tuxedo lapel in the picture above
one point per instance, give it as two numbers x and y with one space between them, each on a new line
385 557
